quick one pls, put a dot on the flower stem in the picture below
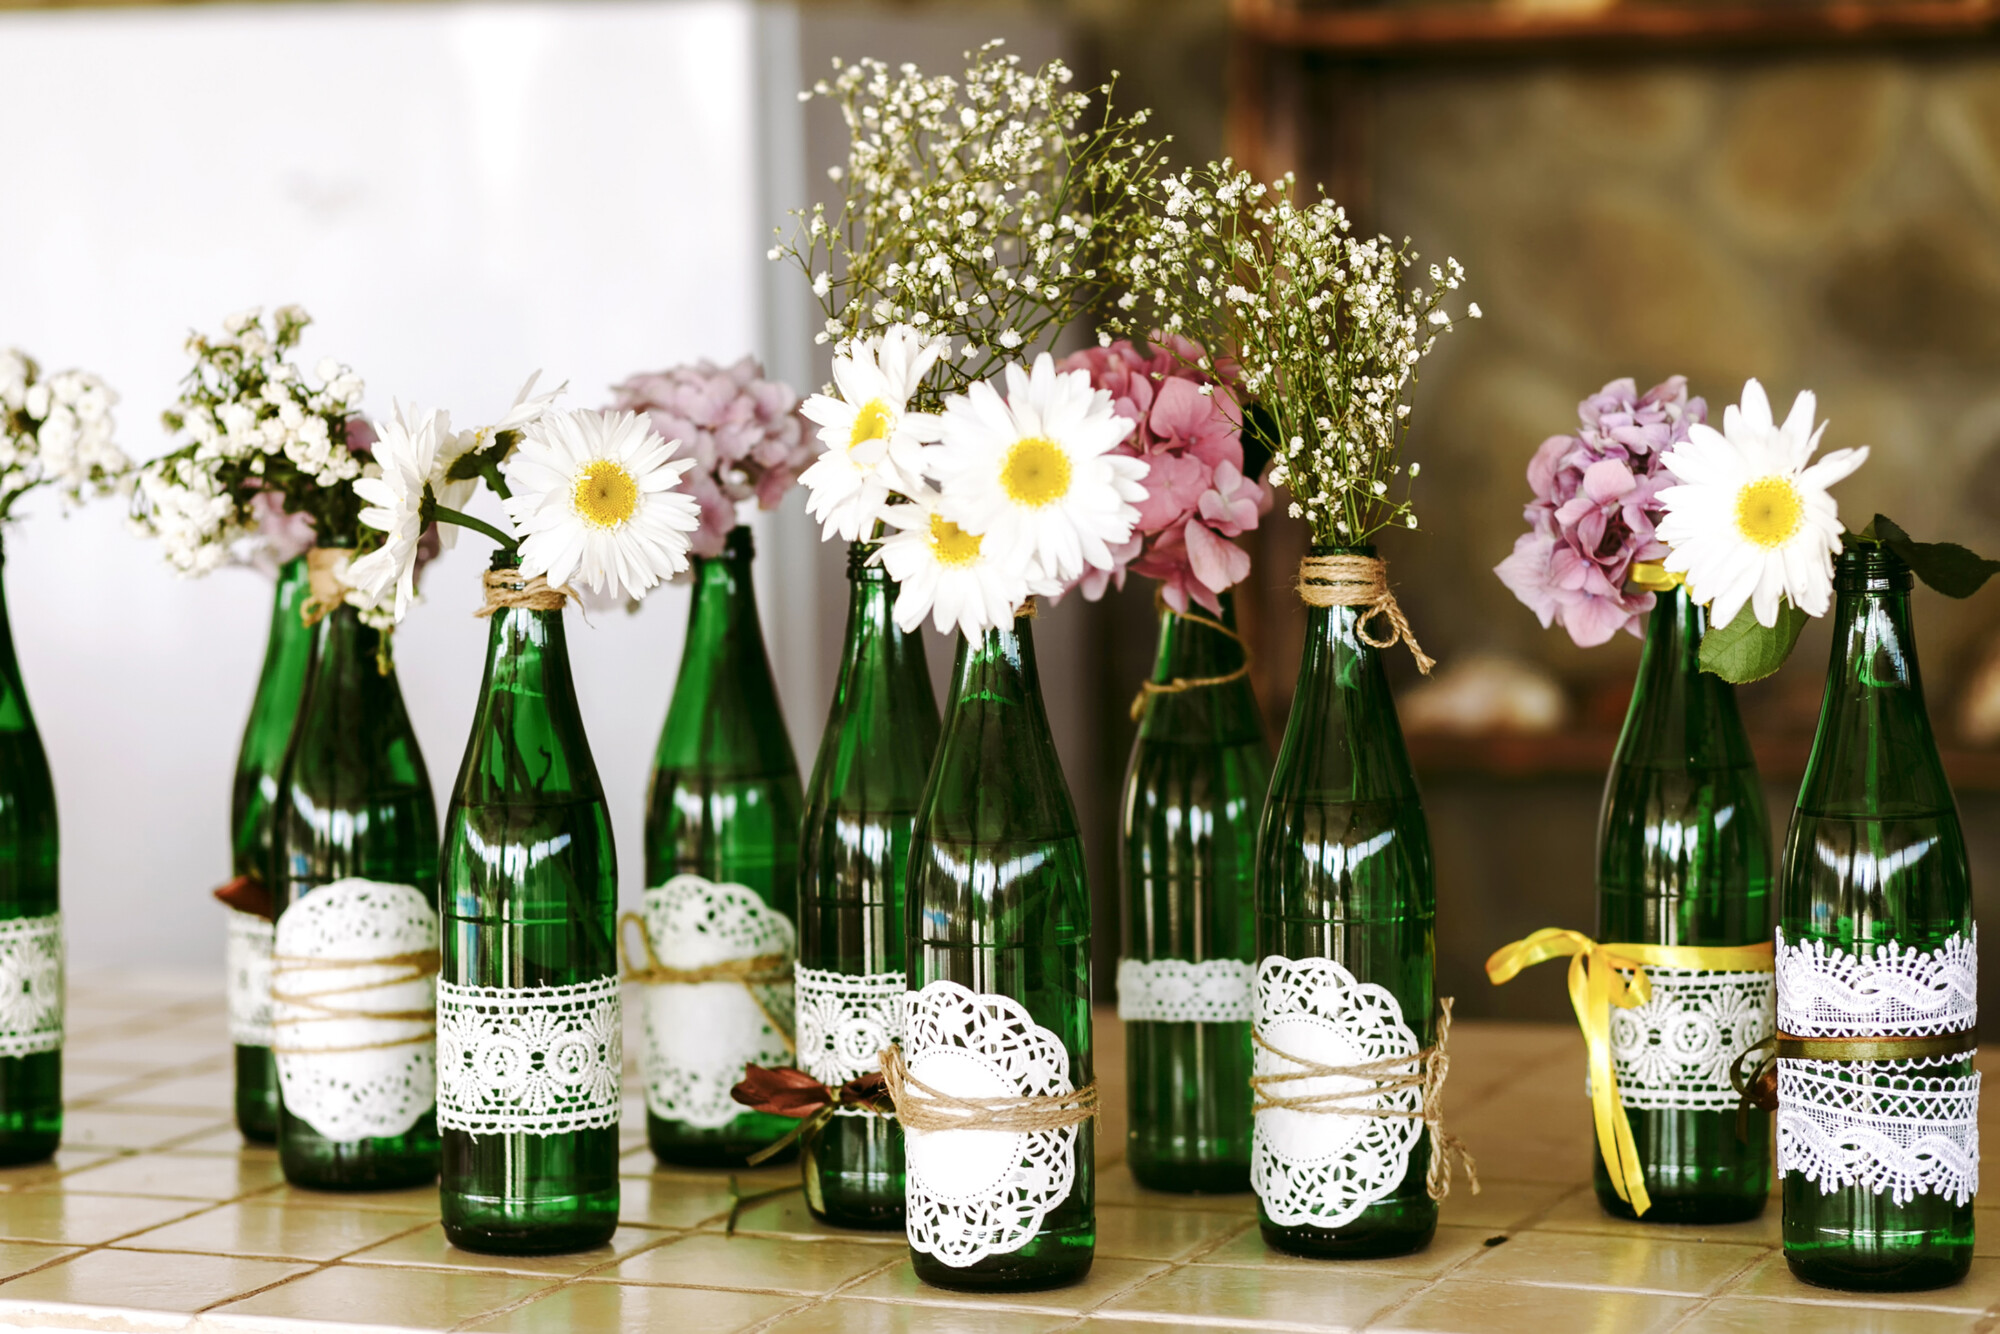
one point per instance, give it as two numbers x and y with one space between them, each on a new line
445 514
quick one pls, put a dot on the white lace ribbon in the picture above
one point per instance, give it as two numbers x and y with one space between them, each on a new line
348 979
247 959
529 1060
1180 991
31 985
1675 1052
1318 1170
700 1035
1902 1127
844 1022
970 1194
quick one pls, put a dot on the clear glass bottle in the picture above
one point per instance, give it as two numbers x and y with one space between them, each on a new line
354 800
1344 873
874 757
1684 858
31 1104
998 903
1875 855
1194 793
725 800
529 895
288 651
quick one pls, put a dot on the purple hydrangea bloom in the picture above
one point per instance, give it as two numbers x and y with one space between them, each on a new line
1596 503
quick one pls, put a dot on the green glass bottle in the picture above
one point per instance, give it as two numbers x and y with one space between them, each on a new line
999 1000
1194 792
281 685
31 945
723 810
874 757
354 867
1878 1157
1346 940
1684 858
529 1029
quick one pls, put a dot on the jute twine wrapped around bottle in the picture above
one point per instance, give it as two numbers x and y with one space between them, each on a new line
758 970
322 1006
1424 1071
506 589
1180 684
326 581
1360 581
921 1107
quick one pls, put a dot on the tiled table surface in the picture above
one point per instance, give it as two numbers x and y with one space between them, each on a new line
155 1217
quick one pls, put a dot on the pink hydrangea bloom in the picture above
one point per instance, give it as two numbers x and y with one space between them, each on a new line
1596 503
742 431
1197 497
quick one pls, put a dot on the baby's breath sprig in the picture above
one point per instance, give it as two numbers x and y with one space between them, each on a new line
1323 335
983 210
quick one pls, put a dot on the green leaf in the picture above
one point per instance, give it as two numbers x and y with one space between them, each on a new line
1744 651
1946 566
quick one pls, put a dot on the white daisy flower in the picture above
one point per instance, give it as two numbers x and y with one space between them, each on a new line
1751 521
874 444
456 493
1033 472
945 573
405 457
595 501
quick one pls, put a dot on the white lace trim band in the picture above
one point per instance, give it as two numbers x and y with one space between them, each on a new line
1177 991
31 985
1675 1052
1897 991
248 962
844 1022
529 1060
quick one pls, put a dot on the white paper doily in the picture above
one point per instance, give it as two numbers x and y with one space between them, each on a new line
333 1072
247 961
844 1023
31 985
699 1036
970 1194
1897 991
1177 991
1675 1052
1323 1171
529 1060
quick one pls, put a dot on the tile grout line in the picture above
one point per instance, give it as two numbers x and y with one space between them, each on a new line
317 1267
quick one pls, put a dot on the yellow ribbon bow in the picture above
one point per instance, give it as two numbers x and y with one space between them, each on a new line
1601 976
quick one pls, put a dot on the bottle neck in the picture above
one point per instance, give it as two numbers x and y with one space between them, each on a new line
997 769
1221 706
1681 718
725 715
873 646
15 715
527 737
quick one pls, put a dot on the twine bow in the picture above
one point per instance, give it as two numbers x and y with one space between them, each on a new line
1424 1071
326 581
796 1094
412 966
1360 581
1148 689
1601 976
758 970
506 589
921 1107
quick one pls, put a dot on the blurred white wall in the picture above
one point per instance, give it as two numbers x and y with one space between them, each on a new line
459 194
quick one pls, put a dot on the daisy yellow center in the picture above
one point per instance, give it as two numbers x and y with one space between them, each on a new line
1036 473
1769 511
952 545
873 422
606 495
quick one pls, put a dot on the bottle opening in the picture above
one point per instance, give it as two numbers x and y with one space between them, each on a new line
1866 567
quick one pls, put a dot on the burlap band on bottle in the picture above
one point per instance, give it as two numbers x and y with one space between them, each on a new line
758 970
323 1006
326 579
1424 1071
921 1107
1360 581
1148 689
506 589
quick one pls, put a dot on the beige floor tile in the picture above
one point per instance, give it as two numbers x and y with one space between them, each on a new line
671 1202
183 1176
1499 1205
1581 1212
428 1247
1107 1279
1747 1315
66 1159
1489 1057
769 1264
86 1086
18 1257
255 1228
1979 1291
1317 1299
1643 1264
1541 1131
210 1093
84 1220
415 1200
224 1138
103 1128
592 1306
1451 1246
843 1315
787 1215
1466 1306
1128 1233
1116 1186
147 1282
403 1298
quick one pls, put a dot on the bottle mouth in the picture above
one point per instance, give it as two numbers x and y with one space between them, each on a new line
1868 567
